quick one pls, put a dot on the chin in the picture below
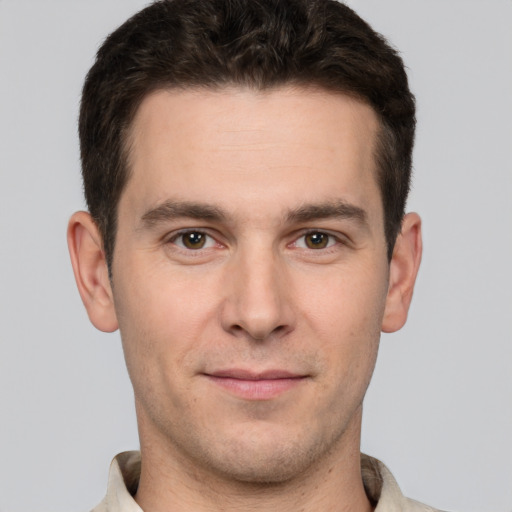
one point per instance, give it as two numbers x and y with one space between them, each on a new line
273 462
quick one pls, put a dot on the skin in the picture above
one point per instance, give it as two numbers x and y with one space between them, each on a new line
249 355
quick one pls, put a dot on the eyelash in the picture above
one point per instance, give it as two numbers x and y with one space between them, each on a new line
332 240
180 234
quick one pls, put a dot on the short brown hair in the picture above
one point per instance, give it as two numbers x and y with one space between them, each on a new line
251 43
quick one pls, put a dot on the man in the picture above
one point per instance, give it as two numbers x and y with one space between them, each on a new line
246 167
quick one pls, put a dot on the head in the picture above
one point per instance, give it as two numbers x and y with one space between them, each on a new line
256 44
246 165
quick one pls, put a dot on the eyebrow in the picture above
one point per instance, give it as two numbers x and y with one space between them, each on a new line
170 210
337 209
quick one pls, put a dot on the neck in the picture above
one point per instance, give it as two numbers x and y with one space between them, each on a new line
171 482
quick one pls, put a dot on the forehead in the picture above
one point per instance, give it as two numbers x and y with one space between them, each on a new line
279 115
275 145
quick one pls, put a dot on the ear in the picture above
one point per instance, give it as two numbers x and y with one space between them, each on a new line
91 272
403 269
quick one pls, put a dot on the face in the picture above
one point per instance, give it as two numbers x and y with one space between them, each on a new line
250 276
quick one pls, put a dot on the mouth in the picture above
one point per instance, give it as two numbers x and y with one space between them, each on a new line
251 385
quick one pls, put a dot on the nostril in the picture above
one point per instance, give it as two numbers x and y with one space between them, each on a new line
256 334
279 329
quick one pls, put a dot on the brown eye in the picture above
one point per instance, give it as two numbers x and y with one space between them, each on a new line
193 240
316 240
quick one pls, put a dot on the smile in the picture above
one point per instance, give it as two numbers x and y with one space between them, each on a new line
255 386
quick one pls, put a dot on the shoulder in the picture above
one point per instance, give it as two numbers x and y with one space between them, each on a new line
102 507
123 480
416 506
383 490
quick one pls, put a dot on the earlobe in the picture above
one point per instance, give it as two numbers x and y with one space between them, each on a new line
91 272
402 273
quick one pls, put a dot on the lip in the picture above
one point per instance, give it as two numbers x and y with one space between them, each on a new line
250 385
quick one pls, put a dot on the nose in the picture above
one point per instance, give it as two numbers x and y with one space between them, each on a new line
256 303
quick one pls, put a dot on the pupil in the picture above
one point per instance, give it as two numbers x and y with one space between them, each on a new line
317 240
194 240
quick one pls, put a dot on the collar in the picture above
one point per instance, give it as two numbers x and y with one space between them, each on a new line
380 486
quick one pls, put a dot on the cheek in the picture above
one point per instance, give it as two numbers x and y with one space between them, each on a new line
343 313
344 300
161 317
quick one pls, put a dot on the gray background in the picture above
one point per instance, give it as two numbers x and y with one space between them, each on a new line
439 410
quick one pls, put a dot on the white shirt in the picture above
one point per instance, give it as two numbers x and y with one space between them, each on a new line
380 486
